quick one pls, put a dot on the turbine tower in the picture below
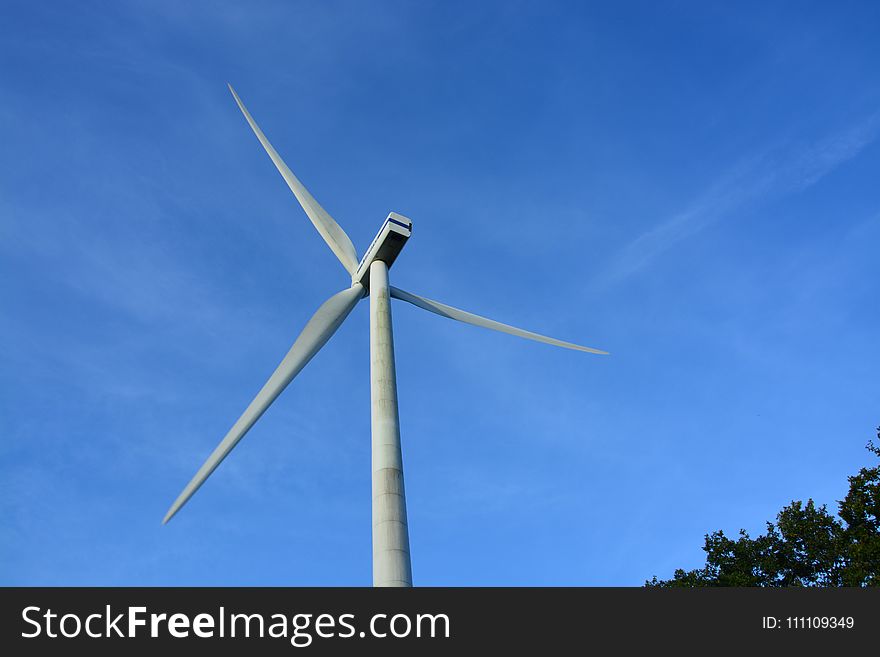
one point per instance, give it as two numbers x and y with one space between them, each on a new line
369 276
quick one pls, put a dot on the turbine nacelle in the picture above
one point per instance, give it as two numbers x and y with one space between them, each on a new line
385 247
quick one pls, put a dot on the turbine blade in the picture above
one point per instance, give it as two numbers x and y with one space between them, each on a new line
332 232
317 331
469 318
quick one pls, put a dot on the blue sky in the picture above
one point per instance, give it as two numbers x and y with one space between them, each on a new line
692 186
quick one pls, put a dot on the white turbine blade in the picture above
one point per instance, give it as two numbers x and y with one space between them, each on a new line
317 331
332 232
469 318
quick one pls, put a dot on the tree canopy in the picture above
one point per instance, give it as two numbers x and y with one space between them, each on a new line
806 546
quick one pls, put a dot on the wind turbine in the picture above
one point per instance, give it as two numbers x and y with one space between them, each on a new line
369 277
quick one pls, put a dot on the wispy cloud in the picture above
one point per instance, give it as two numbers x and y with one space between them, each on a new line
778 170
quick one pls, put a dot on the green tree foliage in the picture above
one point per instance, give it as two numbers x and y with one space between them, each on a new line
806 546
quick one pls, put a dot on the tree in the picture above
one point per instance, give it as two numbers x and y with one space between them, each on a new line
806 546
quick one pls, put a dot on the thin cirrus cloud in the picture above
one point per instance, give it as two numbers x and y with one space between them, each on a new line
777 171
